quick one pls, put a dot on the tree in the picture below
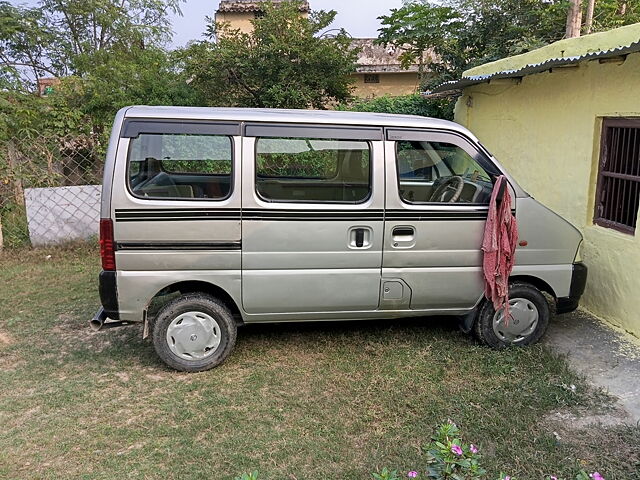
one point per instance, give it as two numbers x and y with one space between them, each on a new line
61 37
574 19
149 76
417 28
24 36
473 32
283 63
588 24
107 53
615 13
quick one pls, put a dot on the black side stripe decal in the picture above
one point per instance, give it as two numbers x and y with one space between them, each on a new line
177 215
182 215
314 216
435 216
217 246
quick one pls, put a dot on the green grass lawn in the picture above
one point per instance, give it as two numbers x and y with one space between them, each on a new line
317 401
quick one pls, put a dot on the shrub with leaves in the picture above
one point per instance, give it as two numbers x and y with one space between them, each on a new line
248 476
386 474
405 105
450 458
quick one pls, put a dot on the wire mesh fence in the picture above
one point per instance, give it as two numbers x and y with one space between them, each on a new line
49 189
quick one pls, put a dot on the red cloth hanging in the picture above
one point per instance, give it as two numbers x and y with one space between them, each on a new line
499 247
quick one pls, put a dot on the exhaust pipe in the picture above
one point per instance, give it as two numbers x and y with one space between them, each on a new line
99 322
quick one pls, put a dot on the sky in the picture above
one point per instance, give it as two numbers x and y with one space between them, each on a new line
358 17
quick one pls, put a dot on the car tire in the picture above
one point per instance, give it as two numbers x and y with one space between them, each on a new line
529 322
194 333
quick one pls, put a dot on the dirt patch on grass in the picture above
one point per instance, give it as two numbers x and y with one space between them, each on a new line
592 436
571 422
70 327
5 339
10 362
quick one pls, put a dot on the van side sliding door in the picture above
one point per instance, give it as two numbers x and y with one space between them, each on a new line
312 220
438 189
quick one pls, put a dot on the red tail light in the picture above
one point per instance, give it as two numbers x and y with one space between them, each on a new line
107 245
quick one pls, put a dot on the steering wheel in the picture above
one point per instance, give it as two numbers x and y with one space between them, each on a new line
452 186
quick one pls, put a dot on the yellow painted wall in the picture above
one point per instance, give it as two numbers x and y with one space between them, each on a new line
238 21
395 84
546 130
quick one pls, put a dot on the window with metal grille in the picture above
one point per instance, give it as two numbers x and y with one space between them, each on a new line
618 190
372 78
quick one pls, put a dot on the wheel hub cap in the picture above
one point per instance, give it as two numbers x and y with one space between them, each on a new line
522 323
193 336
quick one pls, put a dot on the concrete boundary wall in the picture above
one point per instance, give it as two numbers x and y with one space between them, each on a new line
62 214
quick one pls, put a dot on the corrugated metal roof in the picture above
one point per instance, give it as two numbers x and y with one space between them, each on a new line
611 45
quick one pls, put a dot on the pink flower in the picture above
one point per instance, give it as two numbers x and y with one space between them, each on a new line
553 477
507 477
412 474
456 449
474 449
596 476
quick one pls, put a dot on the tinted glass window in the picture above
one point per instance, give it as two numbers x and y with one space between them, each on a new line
313 170
438 172
180 166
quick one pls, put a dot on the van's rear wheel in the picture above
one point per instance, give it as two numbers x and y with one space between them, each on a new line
528 322
194 333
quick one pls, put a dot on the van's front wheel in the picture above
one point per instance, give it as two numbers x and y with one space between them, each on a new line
528 322
194 333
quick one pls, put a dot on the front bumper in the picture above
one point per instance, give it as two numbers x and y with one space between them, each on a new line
578 284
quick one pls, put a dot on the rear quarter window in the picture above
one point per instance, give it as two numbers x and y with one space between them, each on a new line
180 166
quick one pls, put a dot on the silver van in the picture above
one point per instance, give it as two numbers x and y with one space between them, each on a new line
225 217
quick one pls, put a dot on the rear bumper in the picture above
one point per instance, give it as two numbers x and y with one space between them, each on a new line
108 287
578 284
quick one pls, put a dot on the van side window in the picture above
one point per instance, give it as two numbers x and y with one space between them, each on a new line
439 172
313 170
180 166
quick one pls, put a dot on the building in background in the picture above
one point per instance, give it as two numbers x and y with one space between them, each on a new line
565 120
378 70
46 86
240 13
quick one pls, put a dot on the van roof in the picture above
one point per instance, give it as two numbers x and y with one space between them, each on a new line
292 116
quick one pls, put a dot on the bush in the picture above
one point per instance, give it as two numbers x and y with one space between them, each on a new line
405 105
13 221
449 457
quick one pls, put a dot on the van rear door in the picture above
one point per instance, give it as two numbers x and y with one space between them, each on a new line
312 219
